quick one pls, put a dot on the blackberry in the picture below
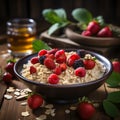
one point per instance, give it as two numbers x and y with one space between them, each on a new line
81 53
78 63
41 59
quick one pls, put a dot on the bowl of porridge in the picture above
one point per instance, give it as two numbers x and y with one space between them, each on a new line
63 75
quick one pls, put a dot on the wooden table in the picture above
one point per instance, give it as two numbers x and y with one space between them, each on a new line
12 109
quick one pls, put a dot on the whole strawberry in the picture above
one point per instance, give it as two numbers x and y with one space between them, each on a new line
93 27
35 101
7 77
116 66
86 110
105 32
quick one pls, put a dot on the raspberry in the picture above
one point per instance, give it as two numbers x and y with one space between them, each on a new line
34 60
53 79
57 70
89 63
42 52
7 77
61 59
81 72
49 63
78 63
41 59
72 58
63 66
32 70
50 56
60 56
59 53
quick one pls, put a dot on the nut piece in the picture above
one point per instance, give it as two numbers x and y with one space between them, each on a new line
25 114
8 97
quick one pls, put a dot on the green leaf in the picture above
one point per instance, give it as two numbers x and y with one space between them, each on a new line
114 80
100 20
82 15
114 97
61 13
110 109
39 44
55 27
54 16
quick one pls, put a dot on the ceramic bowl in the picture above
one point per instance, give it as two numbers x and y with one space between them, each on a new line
64 93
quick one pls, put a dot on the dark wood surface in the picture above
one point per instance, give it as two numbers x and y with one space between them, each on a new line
12 109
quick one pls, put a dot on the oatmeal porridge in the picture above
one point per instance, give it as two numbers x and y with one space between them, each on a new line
60 67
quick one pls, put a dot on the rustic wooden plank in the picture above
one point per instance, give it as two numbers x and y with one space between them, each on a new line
3 88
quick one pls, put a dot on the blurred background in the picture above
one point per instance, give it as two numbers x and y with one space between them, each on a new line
109 9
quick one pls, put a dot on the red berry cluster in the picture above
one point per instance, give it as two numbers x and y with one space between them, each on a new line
57 61
9 71
94 29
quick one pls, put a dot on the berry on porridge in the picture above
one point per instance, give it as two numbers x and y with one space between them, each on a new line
61 67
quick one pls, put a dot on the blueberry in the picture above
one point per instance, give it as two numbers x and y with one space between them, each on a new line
78 63
41 59
81 53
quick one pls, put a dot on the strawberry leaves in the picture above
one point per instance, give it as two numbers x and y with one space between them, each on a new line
110 104
39 45
110 108
57 18
82 15
114 80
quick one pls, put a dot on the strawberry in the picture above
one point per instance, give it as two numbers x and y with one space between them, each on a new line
86 110
93 27
57 70
49 63
53 79
10 68
7 77
63 66
80 71
105 32
42 52
34 60
32 70
72 59
86 33
89 63
35 101
116 66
